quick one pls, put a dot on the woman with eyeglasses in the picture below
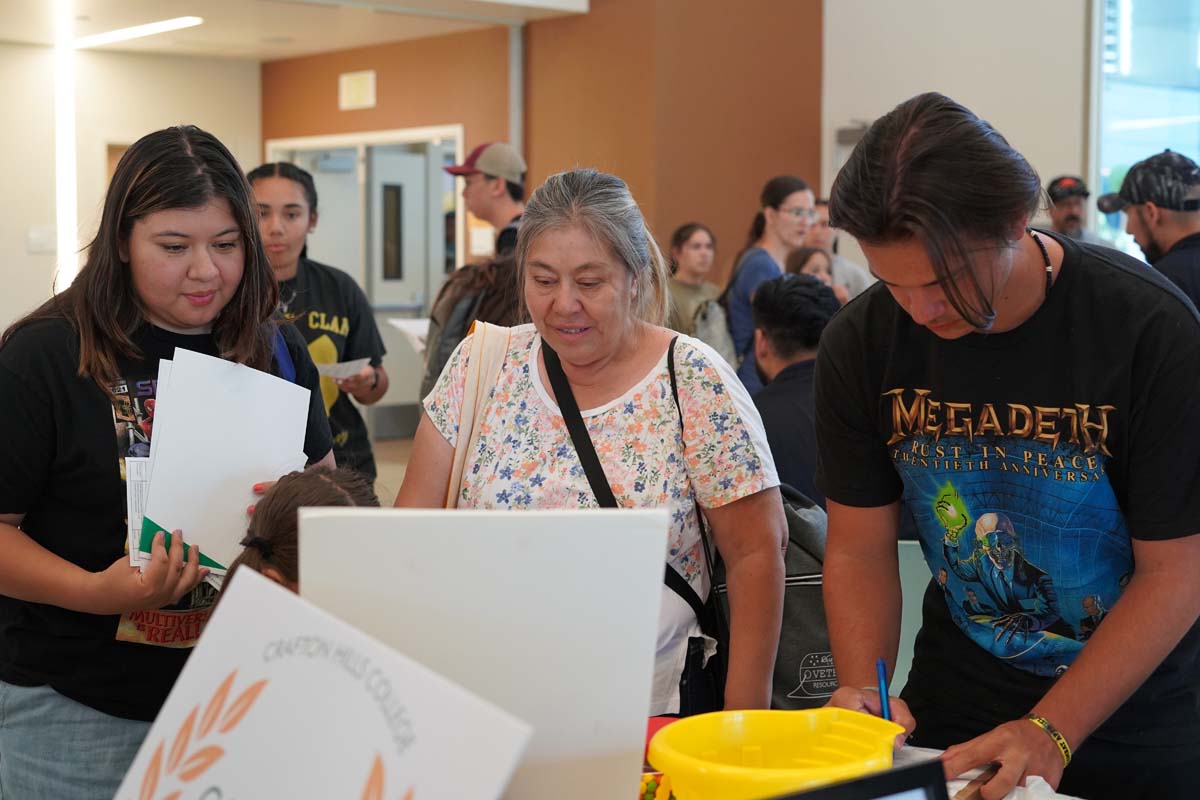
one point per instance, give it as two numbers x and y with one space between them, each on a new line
778 228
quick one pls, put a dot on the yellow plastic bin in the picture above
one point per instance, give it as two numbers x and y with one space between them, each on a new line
749 755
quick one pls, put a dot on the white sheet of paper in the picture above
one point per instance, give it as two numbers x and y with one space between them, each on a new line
416 331
281 699
162 391
226 428
1036 788
552 615
137 482
343 369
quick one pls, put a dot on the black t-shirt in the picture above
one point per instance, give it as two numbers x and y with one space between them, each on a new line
506 240
337 322
1182 265
62 466
786 406
1025 462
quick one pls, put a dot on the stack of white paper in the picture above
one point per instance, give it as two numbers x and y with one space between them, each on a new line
219 428
280 699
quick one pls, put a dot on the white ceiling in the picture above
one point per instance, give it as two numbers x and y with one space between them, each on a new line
265 30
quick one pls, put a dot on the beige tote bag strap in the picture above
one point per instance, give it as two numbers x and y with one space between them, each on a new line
489 345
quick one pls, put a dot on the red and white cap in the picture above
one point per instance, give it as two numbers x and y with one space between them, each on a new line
498 159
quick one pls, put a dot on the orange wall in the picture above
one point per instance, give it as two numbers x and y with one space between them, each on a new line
442 80
695 103
738 98
589 95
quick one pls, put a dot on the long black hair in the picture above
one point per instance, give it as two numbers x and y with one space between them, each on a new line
932 170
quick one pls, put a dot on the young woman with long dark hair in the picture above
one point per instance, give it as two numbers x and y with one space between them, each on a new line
786 211
90 646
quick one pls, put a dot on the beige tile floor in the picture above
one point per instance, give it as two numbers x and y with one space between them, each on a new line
391 459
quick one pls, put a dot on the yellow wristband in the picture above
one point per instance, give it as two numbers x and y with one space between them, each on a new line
1052 732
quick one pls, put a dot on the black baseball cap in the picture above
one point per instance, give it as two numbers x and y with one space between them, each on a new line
1065 186
1165 179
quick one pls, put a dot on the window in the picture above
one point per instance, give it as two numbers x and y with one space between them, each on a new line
1149 76
393 232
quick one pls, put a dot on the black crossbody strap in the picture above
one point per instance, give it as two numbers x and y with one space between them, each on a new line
595 471
579 435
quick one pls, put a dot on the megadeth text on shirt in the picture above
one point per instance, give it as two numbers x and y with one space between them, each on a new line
915 413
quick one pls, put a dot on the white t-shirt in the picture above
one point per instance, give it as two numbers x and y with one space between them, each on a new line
526 460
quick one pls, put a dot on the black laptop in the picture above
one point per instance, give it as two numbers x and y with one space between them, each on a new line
924 781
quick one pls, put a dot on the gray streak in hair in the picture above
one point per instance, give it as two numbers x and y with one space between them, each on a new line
602 205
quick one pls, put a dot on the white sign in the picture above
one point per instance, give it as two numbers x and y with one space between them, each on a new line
416 331
356 90
280 699
551 615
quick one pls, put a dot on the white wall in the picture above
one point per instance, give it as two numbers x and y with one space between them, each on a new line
120 97
1020 64
27 167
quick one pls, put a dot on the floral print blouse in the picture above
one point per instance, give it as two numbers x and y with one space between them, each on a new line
525 458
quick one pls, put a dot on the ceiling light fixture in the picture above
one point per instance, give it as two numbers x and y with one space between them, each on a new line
138 31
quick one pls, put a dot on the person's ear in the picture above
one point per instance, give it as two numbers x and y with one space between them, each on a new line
123 250
277 576
762 350
771 215
1151 214
312 221
1017 232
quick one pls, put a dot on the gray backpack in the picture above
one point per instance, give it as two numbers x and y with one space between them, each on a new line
804 674
710 325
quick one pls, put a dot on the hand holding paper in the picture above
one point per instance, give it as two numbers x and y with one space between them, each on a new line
362 381
167 577
343 369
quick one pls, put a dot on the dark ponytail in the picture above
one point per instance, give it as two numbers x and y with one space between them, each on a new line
757 228
272 539
933 171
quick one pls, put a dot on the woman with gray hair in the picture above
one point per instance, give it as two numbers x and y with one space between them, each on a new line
595 288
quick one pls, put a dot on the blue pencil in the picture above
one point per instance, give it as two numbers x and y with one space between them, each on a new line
885 706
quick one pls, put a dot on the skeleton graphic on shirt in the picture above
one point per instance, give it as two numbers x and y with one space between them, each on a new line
1022 595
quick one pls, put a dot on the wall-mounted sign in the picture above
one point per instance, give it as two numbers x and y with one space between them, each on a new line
356 90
